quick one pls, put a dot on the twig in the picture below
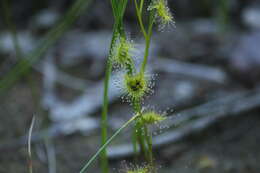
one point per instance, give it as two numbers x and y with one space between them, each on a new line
29 145
196 71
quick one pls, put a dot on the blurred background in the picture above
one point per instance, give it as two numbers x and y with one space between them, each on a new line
207 80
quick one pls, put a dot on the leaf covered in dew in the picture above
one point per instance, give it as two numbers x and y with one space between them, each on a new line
122 53
151 117
162 13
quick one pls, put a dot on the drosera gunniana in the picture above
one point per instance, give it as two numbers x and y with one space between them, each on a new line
162 12
133 81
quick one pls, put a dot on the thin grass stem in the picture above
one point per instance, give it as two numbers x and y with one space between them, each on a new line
107 143
103 157
116 29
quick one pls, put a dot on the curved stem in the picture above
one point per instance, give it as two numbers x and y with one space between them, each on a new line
107 143
140 18
147 43
146 54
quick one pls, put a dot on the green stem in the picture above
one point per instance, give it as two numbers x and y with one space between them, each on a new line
140 18
141 141
138 130
107 143
116 29
149 144
147 43
146 54
134 141
104 162
103 157
141 6
139 136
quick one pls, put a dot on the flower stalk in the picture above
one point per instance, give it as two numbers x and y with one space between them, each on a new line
118 12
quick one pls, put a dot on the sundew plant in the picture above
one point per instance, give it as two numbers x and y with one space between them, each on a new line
136 84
